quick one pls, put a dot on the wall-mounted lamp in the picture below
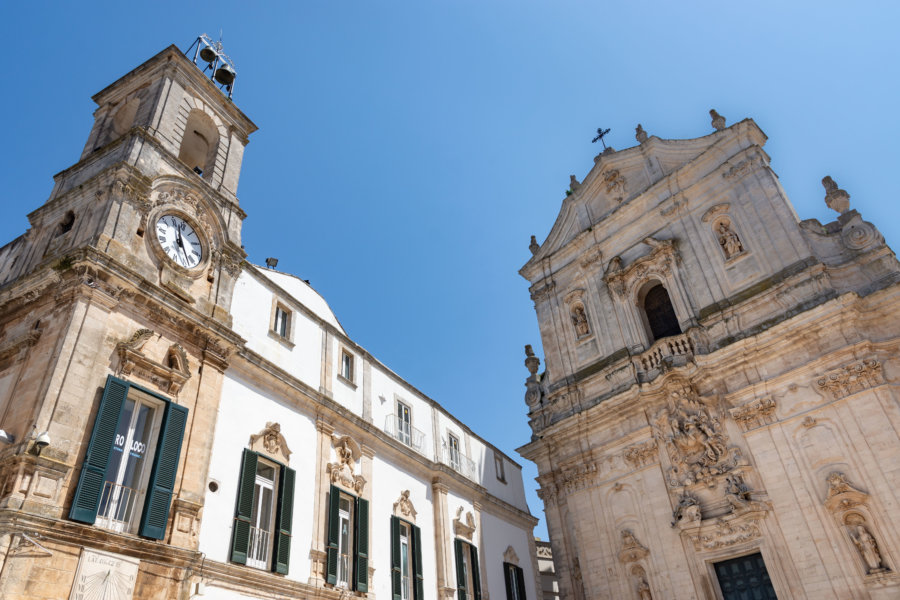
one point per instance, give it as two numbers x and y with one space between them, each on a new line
41 442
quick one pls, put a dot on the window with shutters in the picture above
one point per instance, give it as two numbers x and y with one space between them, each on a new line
261 532
468 578
407 582
347 565
515 581
129 469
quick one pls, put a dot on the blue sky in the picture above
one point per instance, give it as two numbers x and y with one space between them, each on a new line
407 150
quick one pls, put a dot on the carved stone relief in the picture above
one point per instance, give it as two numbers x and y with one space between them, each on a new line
642 587
342 472
631 550
510 556
641 454
404 508
841 495
271 442
687 511
694 439
756 413
724 533
851 379
659 262
615 184
464 528
728 240
168 375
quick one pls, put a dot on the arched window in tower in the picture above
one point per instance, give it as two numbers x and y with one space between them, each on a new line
580 321
661 317
199 143
124 117
65 226
728 238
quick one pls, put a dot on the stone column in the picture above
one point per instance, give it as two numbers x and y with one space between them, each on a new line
317 554
446 579
365 468
482 560
366 390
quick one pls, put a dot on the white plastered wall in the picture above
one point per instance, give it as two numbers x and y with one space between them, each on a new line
385 392
496 536
244 411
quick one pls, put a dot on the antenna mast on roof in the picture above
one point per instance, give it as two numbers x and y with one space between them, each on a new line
220 66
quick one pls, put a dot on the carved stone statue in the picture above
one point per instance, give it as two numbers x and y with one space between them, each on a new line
868 548
736 492
579 320
574 184
835 198
534 246
687 511
729 240
643 590
342 472
639 134
718 121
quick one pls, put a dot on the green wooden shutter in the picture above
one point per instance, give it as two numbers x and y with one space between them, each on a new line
161 487
459 547
285 515
520 582
361 583
93 470
419 593
396 582
509 579
476 576
240 533
333 535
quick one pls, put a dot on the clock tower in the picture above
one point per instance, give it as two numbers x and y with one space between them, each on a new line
115 333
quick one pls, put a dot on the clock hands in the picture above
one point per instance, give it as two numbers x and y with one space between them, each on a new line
181 245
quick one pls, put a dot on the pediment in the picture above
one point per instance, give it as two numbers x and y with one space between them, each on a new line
658 166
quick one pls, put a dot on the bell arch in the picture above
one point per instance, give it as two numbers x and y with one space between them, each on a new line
199 143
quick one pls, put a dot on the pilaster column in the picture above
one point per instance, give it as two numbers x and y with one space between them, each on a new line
442 541
317 554
482 559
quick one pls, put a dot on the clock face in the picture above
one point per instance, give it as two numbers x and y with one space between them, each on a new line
179 241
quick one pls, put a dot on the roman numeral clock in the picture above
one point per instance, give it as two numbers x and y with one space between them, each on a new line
179 241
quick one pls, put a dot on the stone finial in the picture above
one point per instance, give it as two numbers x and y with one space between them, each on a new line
532 362
534 246
836 198
639 134
718 121
574 184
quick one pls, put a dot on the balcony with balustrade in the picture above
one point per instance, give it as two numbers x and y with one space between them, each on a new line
459 462
405 433
664 354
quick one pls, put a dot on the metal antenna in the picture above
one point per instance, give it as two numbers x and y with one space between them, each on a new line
600 133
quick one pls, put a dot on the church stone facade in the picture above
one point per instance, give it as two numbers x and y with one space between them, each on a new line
718 414
178 423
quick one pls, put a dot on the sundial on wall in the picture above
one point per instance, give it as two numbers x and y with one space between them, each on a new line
104 576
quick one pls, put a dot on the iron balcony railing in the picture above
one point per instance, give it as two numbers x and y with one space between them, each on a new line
117 506
401 430
260 544
459 462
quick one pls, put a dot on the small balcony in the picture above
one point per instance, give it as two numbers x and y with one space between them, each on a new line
664 354
119 506
459 462
258 552
401 430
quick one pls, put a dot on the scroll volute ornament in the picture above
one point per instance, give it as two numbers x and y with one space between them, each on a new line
169 375
403 507
464 529
271 443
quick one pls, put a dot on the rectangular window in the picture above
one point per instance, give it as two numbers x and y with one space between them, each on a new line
407 582
404 423
468 579
261 536
282 322
347 365
128 475
499 469
515 581
453 442
347 563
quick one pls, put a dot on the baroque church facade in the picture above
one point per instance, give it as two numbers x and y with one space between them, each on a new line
719 409
178 423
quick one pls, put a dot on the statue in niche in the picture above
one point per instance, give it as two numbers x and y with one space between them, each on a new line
643 590
579 320
729 240
868 548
